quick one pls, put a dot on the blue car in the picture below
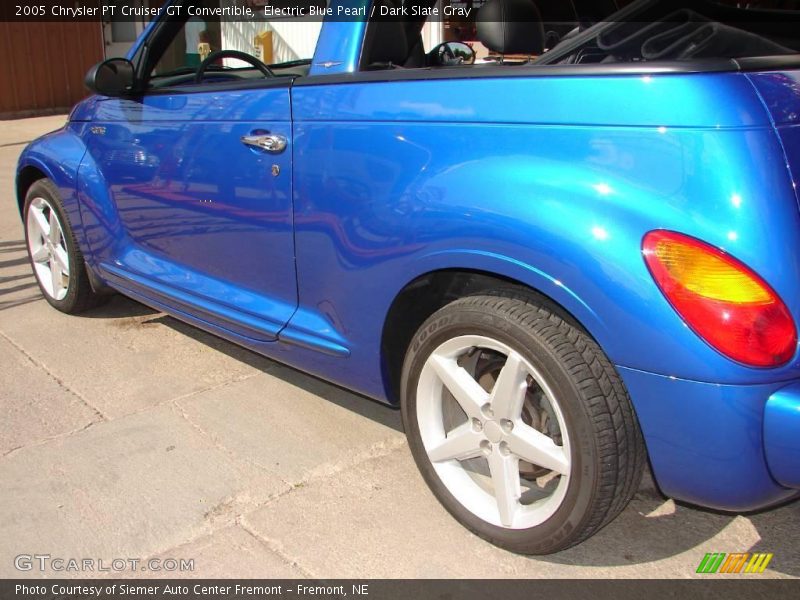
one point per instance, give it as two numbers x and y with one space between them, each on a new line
562 245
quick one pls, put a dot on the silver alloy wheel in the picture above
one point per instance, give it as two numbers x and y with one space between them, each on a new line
479 459
48 248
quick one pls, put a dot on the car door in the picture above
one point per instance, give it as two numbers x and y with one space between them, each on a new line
186 208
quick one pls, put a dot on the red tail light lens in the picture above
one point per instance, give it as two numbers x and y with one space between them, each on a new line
722 300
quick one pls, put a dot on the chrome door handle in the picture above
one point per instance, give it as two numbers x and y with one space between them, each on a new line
272 143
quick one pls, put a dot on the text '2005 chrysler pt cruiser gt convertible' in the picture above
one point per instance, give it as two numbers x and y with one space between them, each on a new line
559 262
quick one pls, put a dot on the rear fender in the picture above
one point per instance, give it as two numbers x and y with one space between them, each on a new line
573 229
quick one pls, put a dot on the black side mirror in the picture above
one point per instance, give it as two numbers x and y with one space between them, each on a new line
450 54
112 77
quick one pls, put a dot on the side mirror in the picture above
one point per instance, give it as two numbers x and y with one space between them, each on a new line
451 54
112 77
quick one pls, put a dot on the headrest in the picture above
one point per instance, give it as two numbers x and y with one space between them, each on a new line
386 41
511 27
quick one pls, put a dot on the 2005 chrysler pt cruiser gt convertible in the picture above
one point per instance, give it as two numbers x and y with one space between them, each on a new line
567 257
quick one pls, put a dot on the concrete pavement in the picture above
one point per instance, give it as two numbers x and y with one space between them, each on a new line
125 434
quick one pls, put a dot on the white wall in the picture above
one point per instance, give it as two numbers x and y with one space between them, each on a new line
291 39
432 34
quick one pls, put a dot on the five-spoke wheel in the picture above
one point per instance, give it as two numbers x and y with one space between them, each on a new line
518 423
54 254
47 248
508 459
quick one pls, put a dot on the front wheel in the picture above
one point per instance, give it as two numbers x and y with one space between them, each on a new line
519 423
55 257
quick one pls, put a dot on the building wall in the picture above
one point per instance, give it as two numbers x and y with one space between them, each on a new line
42 65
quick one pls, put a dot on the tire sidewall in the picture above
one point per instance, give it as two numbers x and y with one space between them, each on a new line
557 531
42 189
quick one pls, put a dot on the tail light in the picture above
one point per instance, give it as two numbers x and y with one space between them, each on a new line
721 299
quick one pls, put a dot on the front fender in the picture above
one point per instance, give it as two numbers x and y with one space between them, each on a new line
56 156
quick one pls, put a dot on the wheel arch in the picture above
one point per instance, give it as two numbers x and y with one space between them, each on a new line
425 294
35 164
55 156
26 177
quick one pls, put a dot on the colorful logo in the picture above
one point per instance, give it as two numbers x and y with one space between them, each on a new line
744 562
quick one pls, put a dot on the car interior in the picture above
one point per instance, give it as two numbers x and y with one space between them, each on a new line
534 33
683 30
540 32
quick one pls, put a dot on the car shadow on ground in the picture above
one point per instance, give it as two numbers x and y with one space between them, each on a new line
650 529
654 528
120 307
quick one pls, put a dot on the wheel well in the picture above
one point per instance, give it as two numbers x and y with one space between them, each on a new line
25 179
428 293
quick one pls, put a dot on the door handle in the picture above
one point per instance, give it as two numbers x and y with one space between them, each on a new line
272 143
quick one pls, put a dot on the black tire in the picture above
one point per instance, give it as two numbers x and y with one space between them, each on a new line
80 296
608 450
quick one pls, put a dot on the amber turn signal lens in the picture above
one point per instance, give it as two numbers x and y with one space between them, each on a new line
721 299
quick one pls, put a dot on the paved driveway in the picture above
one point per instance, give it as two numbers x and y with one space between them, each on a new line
127 434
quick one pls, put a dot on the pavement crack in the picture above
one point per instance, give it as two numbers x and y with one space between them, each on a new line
49 439
61 383
191 394
211 388
181 411
375 451
274 547
12 451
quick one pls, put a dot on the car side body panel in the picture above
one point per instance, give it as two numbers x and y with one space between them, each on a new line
394 181
175 204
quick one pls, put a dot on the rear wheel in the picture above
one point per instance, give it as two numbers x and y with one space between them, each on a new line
56 260
519 423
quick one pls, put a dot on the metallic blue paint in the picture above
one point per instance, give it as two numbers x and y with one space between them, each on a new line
339 44
713 451
168 215
780 93
781 442
549 181
393 180
57 156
